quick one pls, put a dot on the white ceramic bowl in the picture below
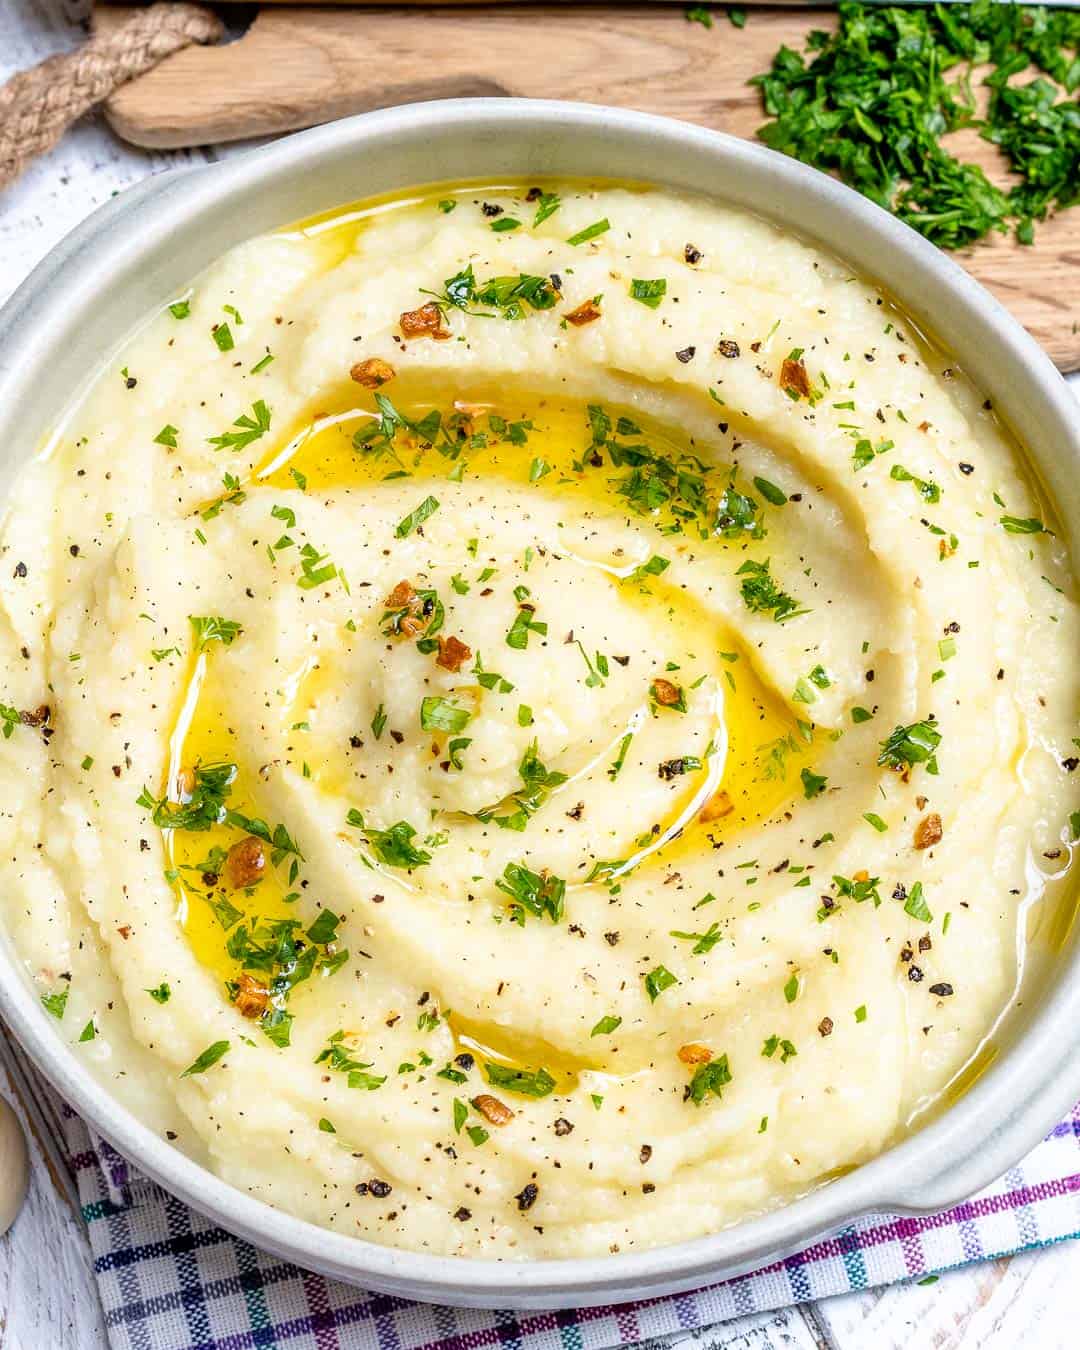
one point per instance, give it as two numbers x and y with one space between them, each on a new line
140 248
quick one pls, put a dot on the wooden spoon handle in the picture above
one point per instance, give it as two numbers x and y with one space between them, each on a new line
14 1166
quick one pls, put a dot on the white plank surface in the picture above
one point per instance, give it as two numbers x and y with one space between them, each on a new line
48 1298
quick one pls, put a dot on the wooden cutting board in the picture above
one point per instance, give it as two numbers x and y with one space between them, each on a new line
296 67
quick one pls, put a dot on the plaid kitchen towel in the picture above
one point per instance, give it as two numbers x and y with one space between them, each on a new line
170 1280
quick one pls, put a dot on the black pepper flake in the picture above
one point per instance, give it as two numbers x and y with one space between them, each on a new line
1070 764
611 939
692 254
728 348
942 990
645 1154
563 1127
686 355
915 974
464 1060
20 569
462 1214
379 1189
647 1187
490 209
355 742
966 468
526 1197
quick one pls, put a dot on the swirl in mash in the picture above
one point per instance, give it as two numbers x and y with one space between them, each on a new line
543 716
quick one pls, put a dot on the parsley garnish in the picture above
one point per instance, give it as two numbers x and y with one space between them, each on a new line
533 893
907 746
208 1058
1025 525
426 508
537 784
606 1025
251 427
56 1004
761 595
813 784
547 204
703 942
526 1082
205 806
161 994
648 292
708 1080
657 980
394 846
590 232
524 624
337 1058
878 95
916 906
213 628
443 714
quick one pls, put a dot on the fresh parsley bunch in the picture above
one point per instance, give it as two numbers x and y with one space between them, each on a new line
875 98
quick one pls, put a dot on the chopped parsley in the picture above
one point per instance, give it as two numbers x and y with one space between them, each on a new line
205 805
606 1025
427 508
916 906
905 747
761 595
873 100
56 1004
213 628
709 1080
250 427
525 1082
338 1059
648 292
394 846
536 893
537 784
443 714
207 1059
598 227
813 784
657 980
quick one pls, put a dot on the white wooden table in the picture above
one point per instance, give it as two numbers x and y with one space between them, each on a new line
48 1298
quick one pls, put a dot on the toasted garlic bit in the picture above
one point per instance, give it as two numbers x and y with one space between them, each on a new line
718 806
494 1111
928 832
404 597
584 314
452 653
372 373
427 321
794 378
245 864
694 1053
252 998
666 693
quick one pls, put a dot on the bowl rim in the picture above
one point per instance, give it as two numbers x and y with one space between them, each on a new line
1000 1117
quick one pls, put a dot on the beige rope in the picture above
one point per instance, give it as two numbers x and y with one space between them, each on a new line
38 105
